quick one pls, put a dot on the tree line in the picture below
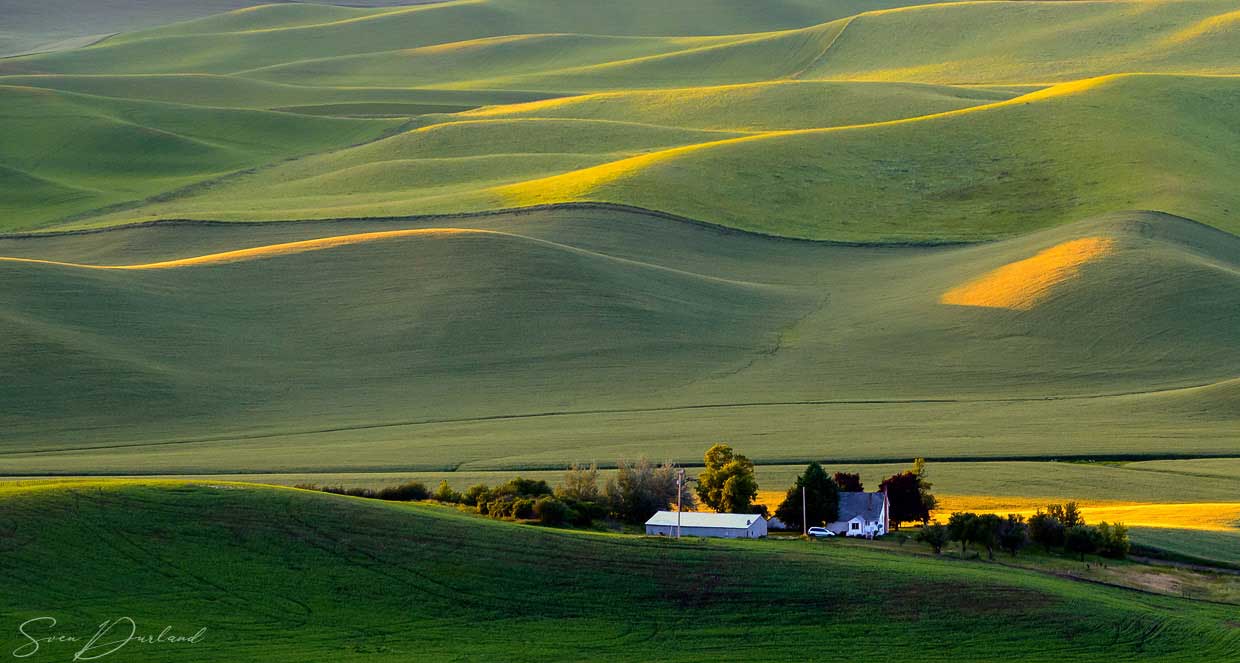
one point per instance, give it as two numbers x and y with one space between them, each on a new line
726 484
1060 526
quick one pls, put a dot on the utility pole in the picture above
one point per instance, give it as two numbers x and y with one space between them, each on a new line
804 516
680 482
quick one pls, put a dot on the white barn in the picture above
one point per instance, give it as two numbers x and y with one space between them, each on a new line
862 514
696 523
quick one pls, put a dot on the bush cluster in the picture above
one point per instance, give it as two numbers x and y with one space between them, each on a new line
1059 526
638 490
410 491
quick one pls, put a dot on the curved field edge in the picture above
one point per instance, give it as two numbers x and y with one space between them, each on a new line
285 573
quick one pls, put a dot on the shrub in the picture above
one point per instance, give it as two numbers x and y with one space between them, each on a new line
477 495
445 493
523 508
583 513
935 535
410 491
523 488
551 511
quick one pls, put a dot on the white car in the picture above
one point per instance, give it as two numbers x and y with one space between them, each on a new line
820 531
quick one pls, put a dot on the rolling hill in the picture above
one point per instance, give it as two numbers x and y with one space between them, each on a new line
283 574
936 164
860 123
376 240
523 339
69 152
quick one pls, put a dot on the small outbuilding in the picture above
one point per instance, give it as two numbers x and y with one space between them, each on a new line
719 525
862 514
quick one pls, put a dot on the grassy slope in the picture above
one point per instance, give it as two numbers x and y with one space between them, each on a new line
278 34
1029 42
280 574
767 106
1114 143
39 26
1137 142
633 317
232 92
1078 150
1222 546
80 152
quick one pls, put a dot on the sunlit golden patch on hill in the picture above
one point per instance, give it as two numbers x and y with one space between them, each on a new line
1023 284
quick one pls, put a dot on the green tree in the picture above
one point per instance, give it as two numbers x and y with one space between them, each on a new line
727 485
935 535
642 488
1046 530
1113 540
1013 534
928 501
985 532
848 482
445 493
904 498
822 499
960 528
1068 514
580 483
1081 540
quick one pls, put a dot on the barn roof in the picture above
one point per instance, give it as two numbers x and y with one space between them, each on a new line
867 505
700 519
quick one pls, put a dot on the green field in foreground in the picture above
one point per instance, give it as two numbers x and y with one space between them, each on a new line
288 575
593 333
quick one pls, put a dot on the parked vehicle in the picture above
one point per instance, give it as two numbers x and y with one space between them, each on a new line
820 532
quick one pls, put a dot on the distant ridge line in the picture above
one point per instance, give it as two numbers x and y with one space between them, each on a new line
552 467
583 205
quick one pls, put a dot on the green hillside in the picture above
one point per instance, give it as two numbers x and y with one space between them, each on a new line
233 92
349 359
55 24
281 33
770 106
82 152
380 240
865 123
286 575
937 163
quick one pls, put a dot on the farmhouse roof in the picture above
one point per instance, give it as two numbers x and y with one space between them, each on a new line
700 519
867 505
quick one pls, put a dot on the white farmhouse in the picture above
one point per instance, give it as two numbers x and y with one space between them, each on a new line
720 525
862 514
